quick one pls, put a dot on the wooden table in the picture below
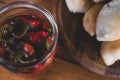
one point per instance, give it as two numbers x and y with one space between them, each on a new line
63 68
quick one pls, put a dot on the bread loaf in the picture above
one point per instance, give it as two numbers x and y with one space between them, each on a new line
89 20
110 52
108 22
78 6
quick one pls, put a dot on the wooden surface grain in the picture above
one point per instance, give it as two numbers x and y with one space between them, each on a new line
63 67
59 70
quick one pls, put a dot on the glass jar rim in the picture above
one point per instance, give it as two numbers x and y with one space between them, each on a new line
46 13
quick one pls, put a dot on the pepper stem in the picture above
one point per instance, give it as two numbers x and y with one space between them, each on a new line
20 36
27 27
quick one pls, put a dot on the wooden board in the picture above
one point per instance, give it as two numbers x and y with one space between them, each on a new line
63 68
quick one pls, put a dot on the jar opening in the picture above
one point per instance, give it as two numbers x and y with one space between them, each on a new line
10 11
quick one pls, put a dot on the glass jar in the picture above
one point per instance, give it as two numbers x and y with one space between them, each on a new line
27 12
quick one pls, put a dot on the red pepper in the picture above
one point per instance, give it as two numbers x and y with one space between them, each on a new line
29 48
35 23
39 36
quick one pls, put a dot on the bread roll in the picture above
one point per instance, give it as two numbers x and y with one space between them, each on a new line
77 6
110 52
108 22
89 20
